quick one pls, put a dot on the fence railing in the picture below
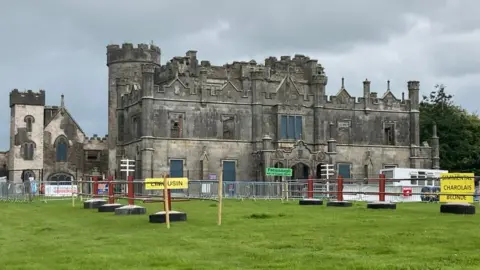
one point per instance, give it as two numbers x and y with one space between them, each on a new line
380 189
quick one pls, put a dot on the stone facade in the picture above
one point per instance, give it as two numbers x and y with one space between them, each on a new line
48 144
191 118
3 163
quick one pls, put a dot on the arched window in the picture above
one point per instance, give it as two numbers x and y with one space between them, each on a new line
61 149
28 150
60 179
29 120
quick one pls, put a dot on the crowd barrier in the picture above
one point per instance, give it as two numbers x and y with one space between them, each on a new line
379 189
370 190
37 191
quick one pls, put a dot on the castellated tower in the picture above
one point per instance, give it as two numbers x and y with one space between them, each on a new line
26 135
124 73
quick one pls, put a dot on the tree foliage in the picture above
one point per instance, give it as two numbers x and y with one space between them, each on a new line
458 130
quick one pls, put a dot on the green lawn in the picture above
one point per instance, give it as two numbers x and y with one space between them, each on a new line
254 235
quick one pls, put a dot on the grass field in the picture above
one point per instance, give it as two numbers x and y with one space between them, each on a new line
254 235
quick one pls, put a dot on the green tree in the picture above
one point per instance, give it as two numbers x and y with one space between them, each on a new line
458 130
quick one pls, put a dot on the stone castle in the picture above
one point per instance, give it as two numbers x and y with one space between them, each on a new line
190 118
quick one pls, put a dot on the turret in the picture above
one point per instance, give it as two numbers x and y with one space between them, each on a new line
27 98
128 53
414 94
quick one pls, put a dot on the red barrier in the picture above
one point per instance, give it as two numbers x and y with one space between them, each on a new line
111 196
381 188
340 188
310 187
130 193
95 186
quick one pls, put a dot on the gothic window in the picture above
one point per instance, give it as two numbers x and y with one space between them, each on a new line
61 149
60 179
176 127
136 127
389 133
29 120
228 123
120 126
291 127
28 150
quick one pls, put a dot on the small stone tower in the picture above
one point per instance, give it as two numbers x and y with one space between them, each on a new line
25 159
124 72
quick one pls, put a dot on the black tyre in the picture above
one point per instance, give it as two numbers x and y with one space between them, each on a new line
175 216
458 208
339 204
310 202
381 205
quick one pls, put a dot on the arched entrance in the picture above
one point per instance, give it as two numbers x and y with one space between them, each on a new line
28 175
321 172
300 171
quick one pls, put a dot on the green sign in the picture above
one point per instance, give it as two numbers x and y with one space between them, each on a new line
278 172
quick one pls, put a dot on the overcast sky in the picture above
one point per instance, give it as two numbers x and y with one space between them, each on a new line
59 45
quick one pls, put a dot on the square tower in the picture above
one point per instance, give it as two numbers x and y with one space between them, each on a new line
25 159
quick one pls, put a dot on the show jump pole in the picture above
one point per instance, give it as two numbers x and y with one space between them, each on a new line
166 199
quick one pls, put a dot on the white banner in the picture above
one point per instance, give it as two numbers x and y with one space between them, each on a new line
60 191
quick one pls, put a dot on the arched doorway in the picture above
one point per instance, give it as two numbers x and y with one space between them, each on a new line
28 175
300 171
320 172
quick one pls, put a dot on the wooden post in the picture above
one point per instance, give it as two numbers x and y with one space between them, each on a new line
165 201
220 198
381 188
310 187
340 188
130 190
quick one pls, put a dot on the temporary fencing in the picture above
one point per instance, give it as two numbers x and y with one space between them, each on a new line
36 191
366 190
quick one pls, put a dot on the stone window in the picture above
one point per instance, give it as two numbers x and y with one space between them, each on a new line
176 126
61 147
92 155
29 120
121 130
389 133
60 179
136 127
28 150
291 127
228 125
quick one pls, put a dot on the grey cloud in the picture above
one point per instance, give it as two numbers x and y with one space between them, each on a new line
60 45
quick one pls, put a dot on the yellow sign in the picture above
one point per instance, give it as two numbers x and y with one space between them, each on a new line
457 187
173 183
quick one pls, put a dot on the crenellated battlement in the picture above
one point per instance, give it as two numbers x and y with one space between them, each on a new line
300 66
127 52
27 98
97 139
